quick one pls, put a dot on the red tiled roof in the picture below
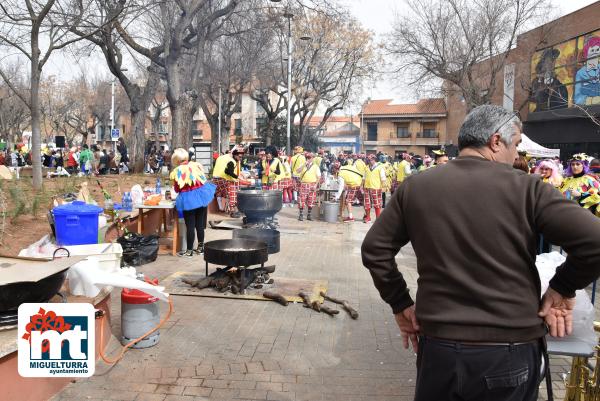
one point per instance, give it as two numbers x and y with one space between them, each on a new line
423 106
333 119
347 129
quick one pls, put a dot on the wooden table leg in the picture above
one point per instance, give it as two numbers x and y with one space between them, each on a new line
141 221
175 231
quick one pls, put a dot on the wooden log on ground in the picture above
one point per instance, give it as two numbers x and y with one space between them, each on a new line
202 283
328 310
353 313
275 297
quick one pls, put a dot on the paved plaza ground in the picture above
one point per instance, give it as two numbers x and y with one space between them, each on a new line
222 349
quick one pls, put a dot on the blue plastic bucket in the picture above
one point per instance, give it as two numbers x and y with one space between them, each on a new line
76 223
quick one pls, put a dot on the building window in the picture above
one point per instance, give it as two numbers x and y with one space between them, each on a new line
429 133
261 125
372 132
402 132
238 127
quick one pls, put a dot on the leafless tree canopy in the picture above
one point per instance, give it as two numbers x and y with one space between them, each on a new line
34 30
444 40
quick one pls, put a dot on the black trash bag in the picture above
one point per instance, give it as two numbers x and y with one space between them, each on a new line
138 249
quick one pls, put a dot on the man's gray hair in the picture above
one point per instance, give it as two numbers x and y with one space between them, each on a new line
483 122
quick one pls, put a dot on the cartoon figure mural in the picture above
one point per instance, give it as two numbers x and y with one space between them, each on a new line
587 86
547 91
566 74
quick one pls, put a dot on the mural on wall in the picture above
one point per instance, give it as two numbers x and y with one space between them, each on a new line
566 74
587 80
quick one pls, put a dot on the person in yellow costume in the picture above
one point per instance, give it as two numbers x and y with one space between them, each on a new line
309 181
550 173
402 170
440 157
359 163
273 170
578 183
375 182
287 183
226 176
195 192
297 165
349 180
389 175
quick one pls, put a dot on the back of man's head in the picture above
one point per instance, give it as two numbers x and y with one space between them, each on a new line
483 122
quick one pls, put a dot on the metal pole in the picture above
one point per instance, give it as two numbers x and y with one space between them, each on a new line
112 113
360 137
289 85
220 105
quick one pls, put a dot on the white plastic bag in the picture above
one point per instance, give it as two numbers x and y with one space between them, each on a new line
137 194
40 249
87 278
583 313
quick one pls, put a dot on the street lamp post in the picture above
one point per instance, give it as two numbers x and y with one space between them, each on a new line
289 16
220 112
112 112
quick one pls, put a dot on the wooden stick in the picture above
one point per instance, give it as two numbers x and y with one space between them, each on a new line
276 297
316 306
328 310
353 313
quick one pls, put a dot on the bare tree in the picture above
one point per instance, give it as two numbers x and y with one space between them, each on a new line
14 113
232 60
331 67
448 41
100 104
139 87
36 29
173 37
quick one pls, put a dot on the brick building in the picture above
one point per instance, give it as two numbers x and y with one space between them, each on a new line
552 79
396 128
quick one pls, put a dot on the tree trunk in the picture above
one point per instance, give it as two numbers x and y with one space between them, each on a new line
137 141
35 150
301 133
182 111
214 134
269 132
140 101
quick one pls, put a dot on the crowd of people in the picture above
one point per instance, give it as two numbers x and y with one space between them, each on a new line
368 179
83 159
361 179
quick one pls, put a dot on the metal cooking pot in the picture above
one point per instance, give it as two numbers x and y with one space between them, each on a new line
270 237
259 205
14 294
235 252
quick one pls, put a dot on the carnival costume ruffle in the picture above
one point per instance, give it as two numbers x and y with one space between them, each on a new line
197 197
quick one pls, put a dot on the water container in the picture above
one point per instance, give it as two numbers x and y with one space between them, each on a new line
76 223
158 188
330 211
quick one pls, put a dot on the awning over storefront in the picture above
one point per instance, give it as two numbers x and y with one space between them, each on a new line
536 150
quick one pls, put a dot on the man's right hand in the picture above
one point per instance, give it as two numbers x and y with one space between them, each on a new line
557 312
409 327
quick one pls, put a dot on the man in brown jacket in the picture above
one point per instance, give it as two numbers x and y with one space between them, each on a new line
479 315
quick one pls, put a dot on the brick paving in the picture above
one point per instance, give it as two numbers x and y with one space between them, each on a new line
222 349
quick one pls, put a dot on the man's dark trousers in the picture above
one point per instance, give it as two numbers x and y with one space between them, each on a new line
455 371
